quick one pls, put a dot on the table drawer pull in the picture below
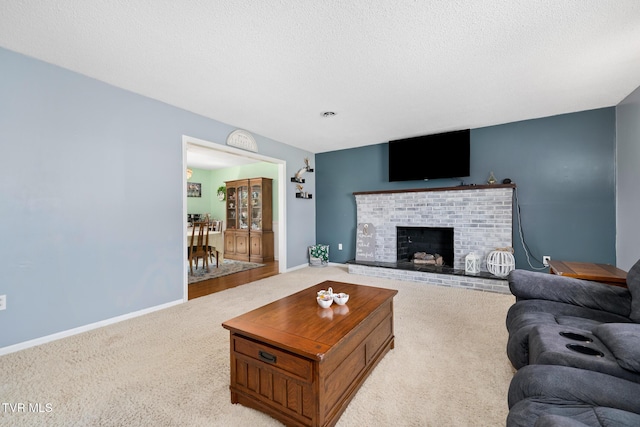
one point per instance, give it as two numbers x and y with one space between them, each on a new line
266 357
279 359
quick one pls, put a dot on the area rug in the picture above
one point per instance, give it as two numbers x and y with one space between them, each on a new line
227 267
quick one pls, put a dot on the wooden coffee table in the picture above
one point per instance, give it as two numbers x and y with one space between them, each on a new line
302 364
604 273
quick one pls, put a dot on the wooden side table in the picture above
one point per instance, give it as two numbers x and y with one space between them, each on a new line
604 273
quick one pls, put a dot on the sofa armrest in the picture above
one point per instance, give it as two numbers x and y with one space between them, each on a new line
526 284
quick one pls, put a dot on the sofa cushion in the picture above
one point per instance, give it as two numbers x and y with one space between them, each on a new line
623 340
633 283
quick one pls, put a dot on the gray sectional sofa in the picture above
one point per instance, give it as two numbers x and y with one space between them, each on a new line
576 345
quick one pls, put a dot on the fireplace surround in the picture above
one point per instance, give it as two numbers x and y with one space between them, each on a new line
480 217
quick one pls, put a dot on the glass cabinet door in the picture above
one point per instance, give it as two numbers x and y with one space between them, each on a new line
232 221
243 207
256 207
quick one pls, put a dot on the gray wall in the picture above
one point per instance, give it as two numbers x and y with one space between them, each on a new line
563 167
91 199
628 180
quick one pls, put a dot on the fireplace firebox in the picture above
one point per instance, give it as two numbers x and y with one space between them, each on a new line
425 240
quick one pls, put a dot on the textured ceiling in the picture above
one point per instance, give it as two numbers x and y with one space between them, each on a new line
388 69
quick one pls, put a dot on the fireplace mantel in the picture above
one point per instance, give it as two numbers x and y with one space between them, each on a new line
456 188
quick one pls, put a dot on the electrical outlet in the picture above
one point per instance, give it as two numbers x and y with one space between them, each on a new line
545 260
339 246
3 302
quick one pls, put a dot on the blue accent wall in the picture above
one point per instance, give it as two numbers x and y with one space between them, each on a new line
563 166
91 199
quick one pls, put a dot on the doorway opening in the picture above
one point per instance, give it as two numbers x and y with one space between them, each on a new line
236 156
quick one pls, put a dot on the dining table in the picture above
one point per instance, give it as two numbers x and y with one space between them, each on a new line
216 240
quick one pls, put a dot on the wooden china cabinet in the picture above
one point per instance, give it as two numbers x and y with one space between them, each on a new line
249 233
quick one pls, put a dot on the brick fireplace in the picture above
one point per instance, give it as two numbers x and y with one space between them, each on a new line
480 217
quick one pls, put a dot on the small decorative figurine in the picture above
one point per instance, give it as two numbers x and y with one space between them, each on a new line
492 179
302 170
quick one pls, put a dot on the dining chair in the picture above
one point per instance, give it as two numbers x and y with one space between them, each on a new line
212 250
199 247
215 226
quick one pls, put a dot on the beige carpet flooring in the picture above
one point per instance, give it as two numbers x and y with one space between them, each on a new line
170 368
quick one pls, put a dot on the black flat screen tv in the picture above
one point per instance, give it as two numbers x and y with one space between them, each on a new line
442 155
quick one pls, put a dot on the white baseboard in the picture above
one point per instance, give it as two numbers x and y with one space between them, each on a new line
59 335
297 267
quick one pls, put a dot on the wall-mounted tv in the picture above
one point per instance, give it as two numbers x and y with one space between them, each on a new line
442 155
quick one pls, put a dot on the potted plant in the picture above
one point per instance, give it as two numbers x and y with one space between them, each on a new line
318 255
222 193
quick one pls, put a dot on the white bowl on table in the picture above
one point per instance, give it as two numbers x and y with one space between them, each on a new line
323 293
340 298
324 301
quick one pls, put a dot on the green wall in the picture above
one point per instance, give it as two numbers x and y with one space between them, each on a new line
203 204
213 179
